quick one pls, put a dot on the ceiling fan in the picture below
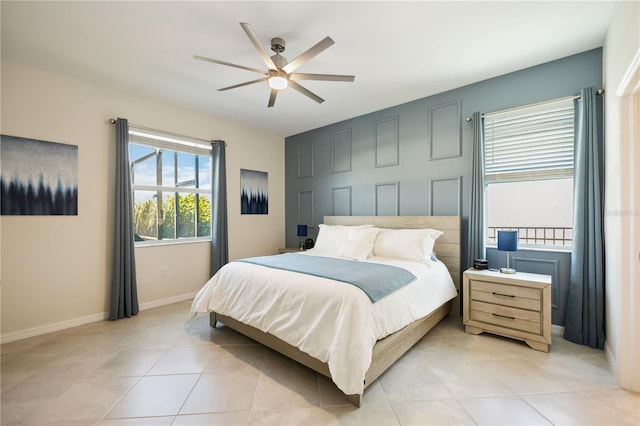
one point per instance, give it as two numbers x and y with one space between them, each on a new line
279 73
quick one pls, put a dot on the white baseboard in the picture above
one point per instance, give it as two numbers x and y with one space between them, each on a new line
557 329
75 322
611 360
50 328
167 301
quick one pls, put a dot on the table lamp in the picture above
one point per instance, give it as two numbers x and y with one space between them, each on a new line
508 241
302 234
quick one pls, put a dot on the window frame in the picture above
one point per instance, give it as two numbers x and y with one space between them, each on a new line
169 143
562 108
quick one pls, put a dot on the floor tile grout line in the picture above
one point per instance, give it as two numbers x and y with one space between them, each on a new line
190 393
320 401
393 409
255 391
537 411
121 397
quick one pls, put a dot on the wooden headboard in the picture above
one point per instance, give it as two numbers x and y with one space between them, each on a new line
447 246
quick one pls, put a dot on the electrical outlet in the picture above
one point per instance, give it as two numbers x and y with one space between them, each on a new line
164 272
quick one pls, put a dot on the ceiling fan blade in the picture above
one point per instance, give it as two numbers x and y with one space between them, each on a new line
243 84
242 67
254 39
306 92
323 77
272 97
310 53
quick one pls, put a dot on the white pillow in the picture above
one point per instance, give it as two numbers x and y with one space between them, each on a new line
359 246
409 244
354 250
330 237
366 236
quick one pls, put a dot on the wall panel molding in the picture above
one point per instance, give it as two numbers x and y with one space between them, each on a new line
305 208
445 197
386 142
341 201
387 199
341 151
445 130
305 158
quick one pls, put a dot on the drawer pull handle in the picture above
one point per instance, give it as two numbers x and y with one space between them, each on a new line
503 295
503 316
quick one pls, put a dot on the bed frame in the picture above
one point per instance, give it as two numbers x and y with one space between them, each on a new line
388 350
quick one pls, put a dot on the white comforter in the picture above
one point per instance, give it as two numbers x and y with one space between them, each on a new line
332 321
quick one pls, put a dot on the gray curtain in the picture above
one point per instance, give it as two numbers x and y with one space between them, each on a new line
219 232
476 238
584 321
124 293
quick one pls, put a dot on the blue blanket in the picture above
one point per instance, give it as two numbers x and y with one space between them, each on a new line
376 280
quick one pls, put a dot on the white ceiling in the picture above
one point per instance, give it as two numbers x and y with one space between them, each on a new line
398 51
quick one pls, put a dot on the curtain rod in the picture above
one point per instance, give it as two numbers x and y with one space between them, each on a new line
470 119
113 121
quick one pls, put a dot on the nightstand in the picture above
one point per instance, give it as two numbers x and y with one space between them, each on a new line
289 250
511 305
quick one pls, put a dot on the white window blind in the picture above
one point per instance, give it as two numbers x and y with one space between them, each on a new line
168 141
530 143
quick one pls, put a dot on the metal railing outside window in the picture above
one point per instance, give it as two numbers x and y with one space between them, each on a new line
535 235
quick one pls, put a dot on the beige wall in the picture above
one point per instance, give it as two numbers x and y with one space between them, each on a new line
622 283
56 270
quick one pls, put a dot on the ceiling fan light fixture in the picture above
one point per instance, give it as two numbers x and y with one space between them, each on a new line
280 73
278 80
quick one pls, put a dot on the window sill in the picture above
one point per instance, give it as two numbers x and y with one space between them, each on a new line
145 244
551 249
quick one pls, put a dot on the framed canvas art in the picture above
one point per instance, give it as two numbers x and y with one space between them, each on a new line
38 178
254 197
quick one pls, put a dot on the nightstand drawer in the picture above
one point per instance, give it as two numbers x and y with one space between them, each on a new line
504 300
517 319
506 290
506 295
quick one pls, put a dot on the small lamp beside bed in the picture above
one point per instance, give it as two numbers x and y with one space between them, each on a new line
508 241
302 234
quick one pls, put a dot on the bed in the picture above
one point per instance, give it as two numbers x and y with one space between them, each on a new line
332 327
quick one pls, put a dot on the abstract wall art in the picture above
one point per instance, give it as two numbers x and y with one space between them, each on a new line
38 178
254 197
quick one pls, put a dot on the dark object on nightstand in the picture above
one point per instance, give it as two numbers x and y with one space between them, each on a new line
308 243
481 264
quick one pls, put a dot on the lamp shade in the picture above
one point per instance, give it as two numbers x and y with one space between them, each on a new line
508 240
302 230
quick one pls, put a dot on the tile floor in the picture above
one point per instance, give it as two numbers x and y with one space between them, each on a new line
164 368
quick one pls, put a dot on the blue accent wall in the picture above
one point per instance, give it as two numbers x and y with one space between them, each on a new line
415 158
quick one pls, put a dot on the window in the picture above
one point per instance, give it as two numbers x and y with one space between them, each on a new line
529 173
171 185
